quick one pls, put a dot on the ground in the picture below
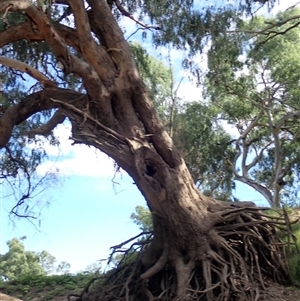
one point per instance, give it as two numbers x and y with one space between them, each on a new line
61 292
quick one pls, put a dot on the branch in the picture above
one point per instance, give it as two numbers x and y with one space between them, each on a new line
87 116
23 67
26 31
19 32
94 54
143 105
71 63
277 158
30 105
113 38
238 148
258 187
283 119
276 33
57 118
259 156
128 15
266 30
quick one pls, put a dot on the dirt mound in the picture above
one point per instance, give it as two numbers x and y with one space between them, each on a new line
4 297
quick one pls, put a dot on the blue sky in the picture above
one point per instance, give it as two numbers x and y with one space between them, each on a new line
88 213
86 216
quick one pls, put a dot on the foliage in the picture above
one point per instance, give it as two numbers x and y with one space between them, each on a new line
290 234
94 268
47 261
253 81
18 262
63 268
142 218
205 146
22 155
157 77
294 255
45 287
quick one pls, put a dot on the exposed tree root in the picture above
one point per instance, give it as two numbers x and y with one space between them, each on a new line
232 261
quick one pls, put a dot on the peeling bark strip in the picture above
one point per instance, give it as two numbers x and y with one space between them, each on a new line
201 247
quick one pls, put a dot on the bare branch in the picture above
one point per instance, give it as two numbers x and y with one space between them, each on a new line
258 187
129 15
258 156
23 67
87 116
293 6
267 30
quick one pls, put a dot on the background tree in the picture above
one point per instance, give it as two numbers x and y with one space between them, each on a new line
47 262
17 262
142 218
253 80
205 146
204 243
63 268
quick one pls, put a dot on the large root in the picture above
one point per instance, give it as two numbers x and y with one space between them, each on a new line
232 261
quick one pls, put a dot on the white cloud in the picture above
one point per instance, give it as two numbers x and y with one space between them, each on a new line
71 159
283 5
189 92
230 129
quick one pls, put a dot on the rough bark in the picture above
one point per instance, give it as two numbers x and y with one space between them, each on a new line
201 247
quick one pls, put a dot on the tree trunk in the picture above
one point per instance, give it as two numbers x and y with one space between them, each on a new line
201 246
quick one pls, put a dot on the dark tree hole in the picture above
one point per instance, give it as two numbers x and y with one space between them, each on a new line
150 170
185 256
114 106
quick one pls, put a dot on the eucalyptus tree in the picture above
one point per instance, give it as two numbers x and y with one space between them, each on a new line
206 149
17 262
84 71
254 80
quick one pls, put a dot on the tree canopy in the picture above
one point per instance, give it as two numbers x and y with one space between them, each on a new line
18 262
253 80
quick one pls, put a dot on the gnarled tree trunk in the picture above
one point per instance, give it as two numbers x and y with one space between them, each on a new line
201 246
